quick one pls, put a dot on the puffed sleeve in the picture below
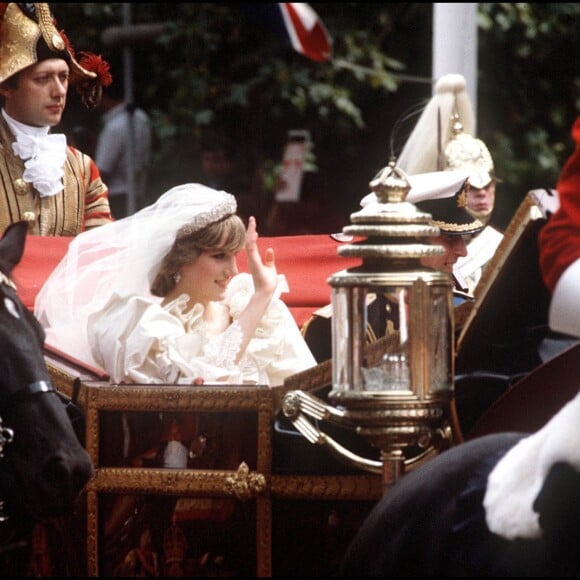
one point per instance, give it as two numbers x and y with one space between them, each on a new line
136 340
277 349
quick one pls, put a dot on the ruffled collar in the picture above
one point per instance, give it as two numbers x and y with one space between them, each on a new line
43 154
191 318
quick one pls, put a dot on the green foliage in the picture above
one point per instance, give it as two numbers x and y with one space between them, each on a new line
528 90
217 65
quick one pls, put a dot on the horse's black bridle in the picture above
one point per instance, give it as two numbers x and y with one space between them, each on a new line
6 437
7 281
31 389
36 388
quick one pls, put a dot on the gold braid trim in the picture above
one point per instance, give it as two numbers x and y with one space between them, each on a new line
45 22
459 228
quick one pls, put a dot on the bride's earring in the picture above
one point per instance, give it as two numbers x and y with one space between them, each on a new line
177 277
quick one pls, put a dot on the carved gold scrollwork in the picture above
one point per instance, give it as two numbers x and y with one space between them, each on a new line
245 485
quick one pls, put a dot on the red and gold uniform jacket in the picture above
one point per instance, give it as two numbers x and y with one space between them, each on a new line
559 239
83 203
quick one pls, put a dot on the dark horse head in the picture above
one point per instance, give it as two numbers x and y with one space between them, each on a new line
44 467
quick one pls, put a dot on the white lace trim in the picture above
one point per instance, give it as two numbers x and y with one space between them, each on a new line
44 156
222 350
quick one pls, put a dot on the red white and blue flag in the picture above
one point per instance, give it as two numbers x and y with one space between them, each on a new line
306 31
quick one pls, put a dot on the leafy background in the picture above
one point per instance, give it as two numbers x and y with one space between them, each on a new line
220 66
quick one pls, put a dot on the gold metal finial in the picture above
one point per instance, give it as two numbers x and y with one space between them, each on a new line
390 184
395 229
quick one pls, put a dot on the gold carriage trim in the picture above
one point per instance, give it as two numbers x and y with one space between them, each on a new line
244 484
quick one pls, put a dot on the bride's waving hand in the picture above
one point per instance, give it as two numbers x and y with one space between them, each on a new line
265 279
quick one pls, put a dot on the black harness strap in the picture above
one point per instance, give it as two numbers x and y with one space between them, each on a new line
36 388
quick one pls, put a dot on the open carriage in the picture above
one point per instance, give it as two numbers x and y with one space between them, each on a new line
252 496
236 509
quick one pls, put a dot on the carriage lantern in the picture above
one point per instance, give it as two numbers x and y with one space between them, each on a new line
396 390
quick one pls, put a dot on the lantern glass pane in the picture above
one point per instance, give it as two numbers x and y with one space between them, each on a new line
439 330
370 338
387 321
395 339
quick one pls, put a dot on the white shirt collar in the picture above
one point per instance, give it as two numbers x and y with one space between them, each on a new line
43 154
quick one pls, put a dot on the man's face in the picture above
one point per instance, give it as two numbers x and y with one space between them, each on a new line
39 95
480 201
455 247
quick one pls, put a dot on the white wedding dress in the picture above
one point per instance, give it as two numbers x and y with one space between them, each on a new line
137 340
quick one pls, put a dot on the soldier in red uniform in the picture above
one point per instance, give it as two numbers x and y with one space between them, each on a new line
559 243
559 247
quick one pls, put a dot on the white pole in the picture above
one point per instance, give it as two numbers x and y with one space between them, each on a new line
128 87
455 43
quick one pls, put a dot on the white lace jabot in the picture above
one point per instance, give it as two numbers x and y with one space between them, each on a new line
43 155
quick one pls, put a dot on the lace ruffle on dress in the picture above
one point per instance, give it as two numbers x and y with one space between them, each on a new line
137 340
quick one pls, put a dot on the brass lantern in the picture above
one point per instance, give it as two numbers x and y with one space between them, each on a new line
397 390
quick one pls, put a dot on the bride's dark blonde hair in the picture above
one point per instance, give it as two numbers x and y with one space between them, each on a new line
227 234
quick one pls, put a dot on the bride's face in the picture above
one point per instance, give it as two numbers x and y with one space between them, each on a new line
206 279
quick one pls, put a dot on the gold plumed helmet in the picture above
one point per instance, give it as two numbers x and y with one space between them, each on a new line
28 35
468 153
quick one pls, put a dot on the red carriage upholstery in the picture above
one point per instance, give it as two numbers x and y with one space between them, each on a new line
306 260
41 255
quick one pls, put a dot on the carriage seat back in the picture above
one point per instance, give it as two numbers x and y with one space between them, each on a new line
307 261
